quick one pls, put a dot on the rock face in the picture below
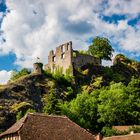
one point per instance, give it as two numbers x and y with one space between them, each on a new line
126 67
31 91
23 94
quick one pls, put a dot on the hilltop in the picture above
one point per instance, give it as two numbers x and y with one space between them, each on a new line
59 94
27 92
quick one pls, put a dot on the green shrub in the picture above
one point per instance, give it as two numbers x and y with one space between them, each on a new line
51 103
135 129
16 74
97 82
108 131
17 106
20 114
83 52
48 73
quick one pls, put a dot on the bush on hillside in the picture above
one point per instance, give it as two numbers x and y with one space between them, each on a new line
16 74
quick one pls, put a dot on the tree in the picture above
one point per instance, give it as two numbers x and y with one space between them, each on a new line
117 106
101 48
51 103
82 110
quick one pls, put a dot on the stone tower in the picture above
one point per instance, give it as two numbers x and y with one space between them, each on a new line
61 58
37 68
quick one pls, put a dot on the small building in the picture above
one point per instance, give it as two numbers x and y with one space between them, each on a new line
124 137
45 127
131 136
65 58
124 128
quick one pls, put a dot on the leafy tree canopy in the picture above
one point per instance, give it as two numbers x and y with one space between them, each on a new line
101 48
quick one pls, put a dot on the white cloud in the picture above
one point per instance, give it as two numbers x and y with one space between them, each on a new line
130 8
33 27
4 76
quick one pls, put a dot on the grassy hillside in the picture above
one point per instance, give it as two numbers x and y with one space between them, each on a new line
96 98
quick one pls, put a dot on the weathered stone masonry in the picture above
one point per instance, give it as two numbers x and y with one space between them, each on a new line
63 58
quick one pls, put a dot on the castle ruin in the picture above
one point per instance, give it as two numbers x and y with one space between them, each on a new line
37 68
66 58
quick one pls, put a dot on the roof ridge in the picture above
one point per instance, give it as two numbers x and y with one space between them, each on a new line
18 126
20 122
45 115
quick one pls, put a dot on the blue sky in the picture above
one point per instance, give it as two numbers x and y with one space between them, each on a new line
31 28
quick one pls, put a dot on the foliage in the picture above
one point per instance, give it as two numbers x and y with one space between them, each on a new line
83 110
51 103
135 129
17 106
101 48
134 87
97 82
105 107
16 74
121 58
21 113
69 92
97 98
74 54
83 52
58 73
30 110
47 73
117 106
62 79
109 131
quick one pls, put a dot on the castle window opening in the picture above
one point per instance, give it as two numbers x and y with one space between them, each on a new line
63 48
54 59
62 56
68 46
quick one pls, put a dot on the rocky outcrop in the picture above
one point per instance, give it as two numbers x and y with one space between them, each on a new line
25 93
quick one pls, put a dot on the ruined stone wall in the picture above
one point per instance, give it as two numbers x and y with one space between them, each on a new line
64 59
37 68
82 59
61 58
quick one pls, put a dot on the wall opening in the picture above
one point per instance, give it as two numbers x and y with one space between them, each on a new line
63 48
54 58
68 46
62 56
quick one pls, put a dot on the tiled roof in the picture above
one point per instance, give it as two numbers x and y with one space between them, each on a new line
124 128
45 127
14 128
125 137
